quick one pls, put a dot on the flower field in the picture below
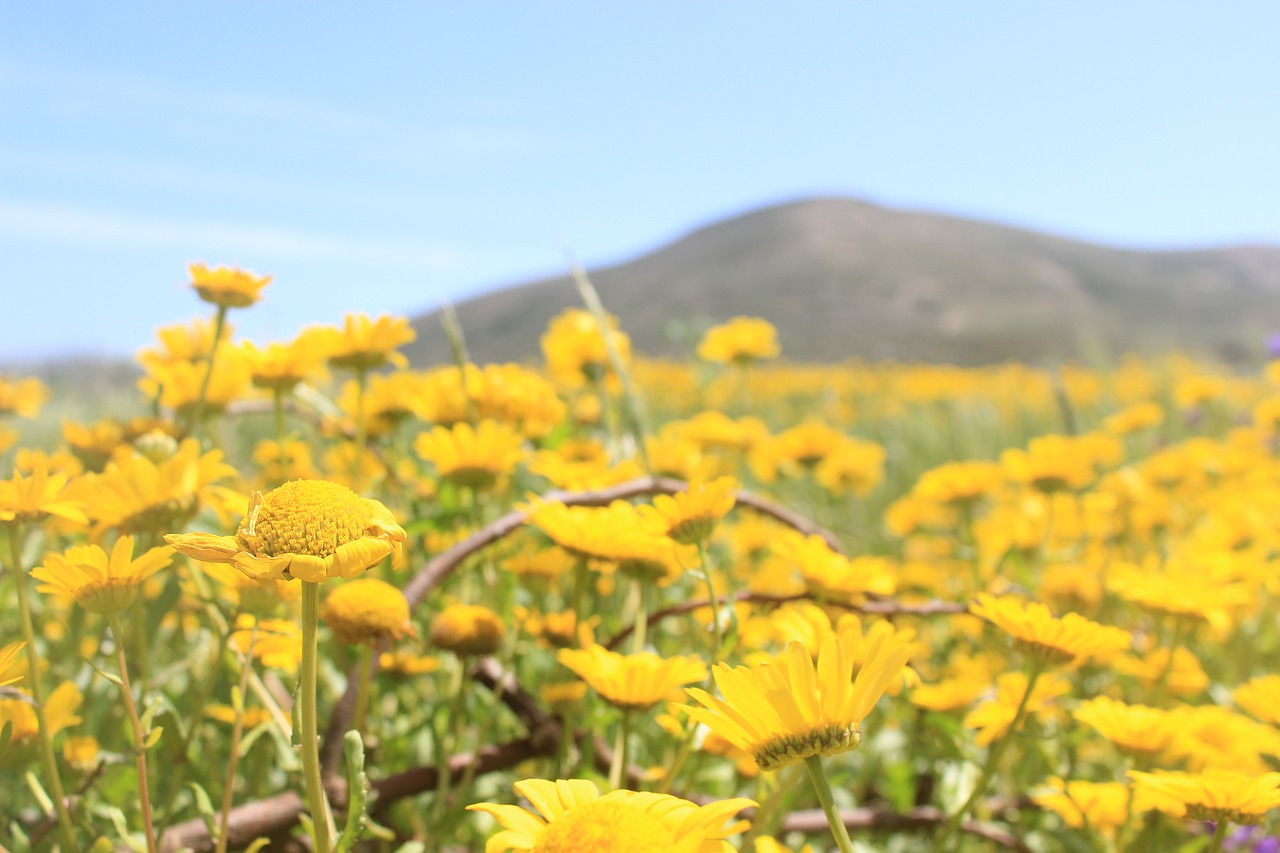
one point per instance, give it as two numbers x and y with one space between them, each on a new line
306 595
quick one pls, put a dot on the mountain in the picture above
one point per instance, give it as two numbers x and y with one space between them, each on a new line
841 277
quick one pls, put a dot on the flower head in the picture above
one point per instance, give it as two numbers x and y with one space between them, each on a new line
367 610
633 682
785 711
227 287
572 817
38 497
467 629
98 583
11 670
1135 729
364 343
306 529
1217 794
1044 637
741 340
472 456
688 517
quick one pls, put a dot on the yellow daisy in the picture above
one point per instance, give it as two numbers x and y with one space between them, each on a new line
1048 639
98 583
227 287
364 343
35 498
305 529
367 610
688 517
1218 794
476 457
467 629
633 682
11 669
572 817
741 340
786 711
1136 729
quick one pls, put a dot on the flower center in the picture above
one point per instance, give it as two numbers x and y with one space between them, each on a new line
308 517
605 826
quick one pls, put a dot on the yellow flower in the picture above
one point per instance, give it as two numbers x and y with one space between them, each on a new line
567 471
138 494
768 844
615 533
1135 417
539 569
60 708
367 610
1050 640
474 457
11 669
688 517
831 575
93 444
467 629
227 287
572 817
100 584
1135 729
959 482
633 682
993 717
559 630
407 663
38 497
298 464
305 529
1185 678
250 717
364 343
741 340
22 397
1103 805
563 696
1214 736
1053 463
281 366
1218 794
81 753
783 712
1260 697
576 351
853 465
177 384
277 643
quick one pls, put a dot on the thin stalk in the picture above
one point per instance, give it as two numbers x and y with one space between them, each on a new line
362 430
641 615
365 676
37 692
818 777
711 596
278 407
317 804
139 736
621 752
1219 835
993 759
686 747
197 414
237 729
1162 683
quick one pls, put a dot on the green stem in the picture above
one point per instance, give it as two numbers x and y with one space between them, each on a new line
139 736
621 752
1161 691
278 406
993 759
641 616
1219 835
37 692
818 777
715 602
197 414
237 729
362 687
316 802
686 748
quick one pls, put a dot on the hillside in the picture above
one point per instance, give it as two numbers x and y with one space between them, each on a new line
841 277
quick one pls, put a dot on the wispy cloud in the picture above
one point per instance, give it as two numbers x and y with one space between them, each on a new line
80 226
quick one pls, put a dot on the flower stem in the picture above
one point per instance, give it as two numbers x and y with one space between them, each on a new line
621 752
37 692
1219 835
197 414
139 736
641 615
364 676
316 802
993 759
711 596
278 406
228 793
818 777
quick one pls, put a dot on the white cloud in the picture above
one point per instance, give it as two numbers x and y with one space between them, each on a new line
80 226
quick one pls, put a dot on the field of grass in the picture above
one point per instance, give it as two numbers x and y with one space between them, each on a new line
303 594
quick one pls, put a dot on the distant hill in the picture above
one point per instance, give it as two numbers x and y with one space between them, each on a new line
841 277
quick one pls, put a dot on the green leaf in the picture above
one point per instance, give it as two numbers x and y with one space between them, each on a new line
153 737
37 790
258 844
19 842
251 737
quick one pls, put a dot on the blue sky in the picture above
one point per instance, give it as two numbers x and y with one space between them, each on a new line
386 156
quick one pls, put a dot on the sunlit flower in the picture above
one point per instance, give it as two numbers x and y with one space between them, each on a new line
577 352
993 717
227 287
632 682
1135 729
741 340
82 754
572 817
367 610
305 529
11 669
959 482
467 629
40 496
786 711
281 366
60 709
177 384
1186 677
364 343
689 516
1217 794
98 583
1103 806
407 663
1046 638
251 717
277 643
22 397
476 457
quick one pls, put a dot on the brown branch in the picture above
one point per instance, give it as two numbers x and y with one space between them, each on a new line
919 818
883 607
